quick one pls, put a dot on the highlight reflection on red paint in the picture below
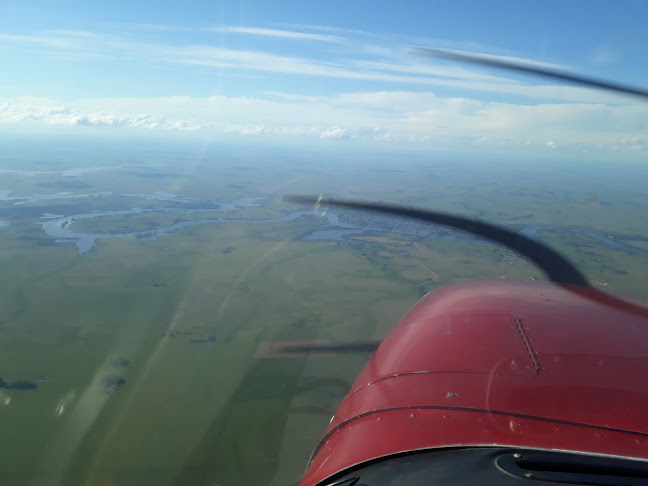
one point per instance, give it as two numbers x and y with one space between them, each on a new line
498 362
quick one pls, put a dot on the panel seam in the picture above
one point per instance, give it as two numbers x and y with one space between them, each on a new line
528 345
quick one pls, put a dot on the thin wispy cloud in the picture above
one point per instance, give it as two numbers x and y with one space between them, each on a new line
284 34
404 68
411 99
51 41
328 28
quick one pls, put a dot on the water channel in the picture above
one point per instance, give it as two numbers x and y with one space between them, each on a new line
333 229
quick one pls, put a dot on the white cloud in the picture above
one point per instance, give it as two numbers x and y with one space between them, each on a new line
16 111
335 132
378 62
184 125
285 34
253 130
328 28
390 117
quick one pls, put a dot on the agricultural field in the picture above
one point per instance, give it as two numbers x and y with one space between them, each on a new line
139 285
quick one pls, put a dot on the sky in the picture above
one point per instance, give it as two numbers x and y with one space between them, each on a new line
332 72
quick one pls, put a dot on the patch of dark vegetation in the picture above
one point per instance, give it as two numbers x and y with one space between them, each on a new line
156 285
210 339
612 269
39 240
522 217
229 249
35 212
312 321
351 243
509 257
583 246
18 385
617 236
371 232
120 362
479 212
112 382
236 187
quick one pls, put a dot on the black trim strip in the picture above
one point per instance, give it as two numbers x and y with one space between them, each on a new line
471 410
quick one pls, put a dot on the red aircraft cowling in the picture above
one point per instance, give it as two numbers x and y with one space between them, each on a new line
506 363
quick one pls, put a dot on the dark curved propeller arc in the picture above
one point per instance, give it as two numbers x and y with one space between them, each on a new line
534 69
555 266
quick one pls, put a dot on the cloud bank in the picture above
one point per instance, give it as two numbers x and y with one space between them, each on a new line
425 102
387 117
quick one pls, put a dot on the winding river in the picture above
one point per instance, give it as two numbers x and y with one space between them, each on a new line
60 226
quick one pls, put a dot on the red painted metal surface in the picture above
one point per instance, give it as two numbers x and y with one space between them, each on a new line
510 363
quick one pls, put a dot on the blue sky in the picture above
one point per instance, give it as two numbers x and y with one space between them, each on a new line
334 71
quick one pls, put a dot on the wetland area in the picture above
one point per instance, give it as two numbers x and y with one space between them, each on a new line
142 295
